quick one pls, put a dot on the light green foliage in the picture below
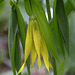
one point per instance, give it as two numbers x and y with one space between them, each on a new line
72 2
60 68
4 10
70 60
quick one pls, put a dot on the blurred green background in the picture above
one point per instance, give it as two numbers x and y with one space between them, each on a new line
5 65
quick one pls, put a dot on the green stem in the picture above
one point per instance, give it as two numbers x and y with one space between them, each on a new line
48 9
54 66
31 6
49 18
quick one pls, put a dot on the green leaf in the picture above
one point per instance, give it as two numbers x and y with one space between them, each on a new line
54 66
17 54
28 7
72 2
63 23
68 8
13 56
44 27
60 68
21 26
70 60
22 31
56 30
11 37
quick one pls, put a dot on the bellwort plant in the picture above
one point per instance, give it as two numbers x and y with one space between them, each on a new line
44 38
36 47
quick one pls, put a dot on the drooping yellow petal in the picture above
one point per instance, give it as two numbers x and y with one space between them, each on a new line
39 62
33 54
21 67
27 46
28 41
44 54
37 41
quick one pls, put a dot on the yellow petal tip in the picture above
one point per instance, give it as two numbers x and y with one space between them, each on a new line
22 67
50 65
31 66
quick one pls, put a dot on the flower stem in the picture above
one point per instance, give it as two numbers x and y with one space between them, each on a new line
48 10
54 66
31 6
49 18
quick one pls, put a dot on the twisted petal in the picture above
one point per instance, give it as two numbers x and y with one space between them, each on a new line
44 54
27 46
33 54
37 40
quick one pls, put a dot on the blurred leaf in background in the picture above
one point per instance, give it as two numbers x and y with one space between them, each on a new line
70 60
1 1
4 15
4 10
69 67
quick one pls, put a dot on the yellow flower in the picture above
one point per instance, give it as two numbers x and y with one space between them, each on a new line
36 45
